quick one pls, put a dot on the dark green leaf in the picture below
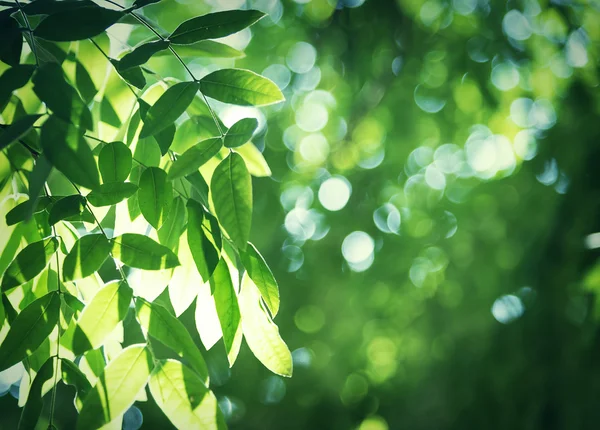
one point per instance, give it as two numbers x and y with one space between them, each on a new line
47 7
191 160
147 152
240 87
108 115
74 303
262 276
62 99
141 3
12 79
141 252
100 317
68 151
19 212
133 76
37 179
84 83
163 326
164 138
240 132
199 187
29 329
168 107
155 196
171 230
231 190
29 263
77 24
11 37
214 26
33 408
117 388
111 193
17 130
86 256
184 398
114 162
205 249
72 375
66 207
141 54
228 310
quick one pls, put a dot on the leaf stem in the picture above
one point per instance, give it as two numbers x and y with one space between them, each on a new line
30 31
99 48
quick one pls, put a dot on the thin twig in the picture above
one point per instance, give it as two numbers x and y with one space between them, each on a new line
30 31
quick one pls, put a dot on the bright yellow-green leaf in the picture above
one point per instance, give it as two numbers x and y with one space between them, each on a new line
259 272
255 160
155 196
183 397
86 256
240 87
139 251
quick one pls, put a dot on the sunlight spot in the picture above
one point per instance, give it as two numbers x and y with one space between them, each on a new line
299 223
309 319
520 112
301 57
515 25
308 81
272 390
312 117
374 422
576 50
550 173
334 193
448 158
358 247
592 241
314 148
435 178
295 257
387 218
505 76
427 100
525 144
464 7
543 114
279 74
507 308
11 376
302 357
133 419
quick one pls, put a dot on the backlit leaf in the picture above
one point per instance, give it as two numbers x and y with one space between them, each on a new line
168 107
80 23
111 193
214 26
117 388
155 196
17 130
262 277
66 207
208 49
139 251
19 212
29 329
86 256
261 334
37 179
12 79
227 309
205 249
169 232
240 87
240 132
183 397
255 161
163 326
191 160
114 162
33 408
68 151
29 263
141 54
133 75
99 318
72 375
231 190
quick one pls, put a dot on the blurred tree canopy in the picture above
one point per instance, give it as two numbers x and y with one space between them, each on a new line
432 213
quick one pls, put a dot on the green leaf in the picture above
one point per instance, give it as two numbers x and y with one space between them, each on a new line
147 152
240 132
133 76
191 160
29 263
168 107
66 207
163 326
184 399
108 115
37 179
86 256
255 161
100 317
141 252
231 190
261 334
262 276
227 309
111 193
164 138
17 130
50 86
29 329
199 187
214 26
77 24
11 37
141 3
117 388
33 408
67 150
84 83
72 375
12 79
155 196
47 7
19 213
114 162
240 87
208 49
141 54
171 230
202 234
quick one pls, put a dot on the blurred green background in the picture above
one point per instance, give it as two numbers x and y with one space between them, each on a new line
432 214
